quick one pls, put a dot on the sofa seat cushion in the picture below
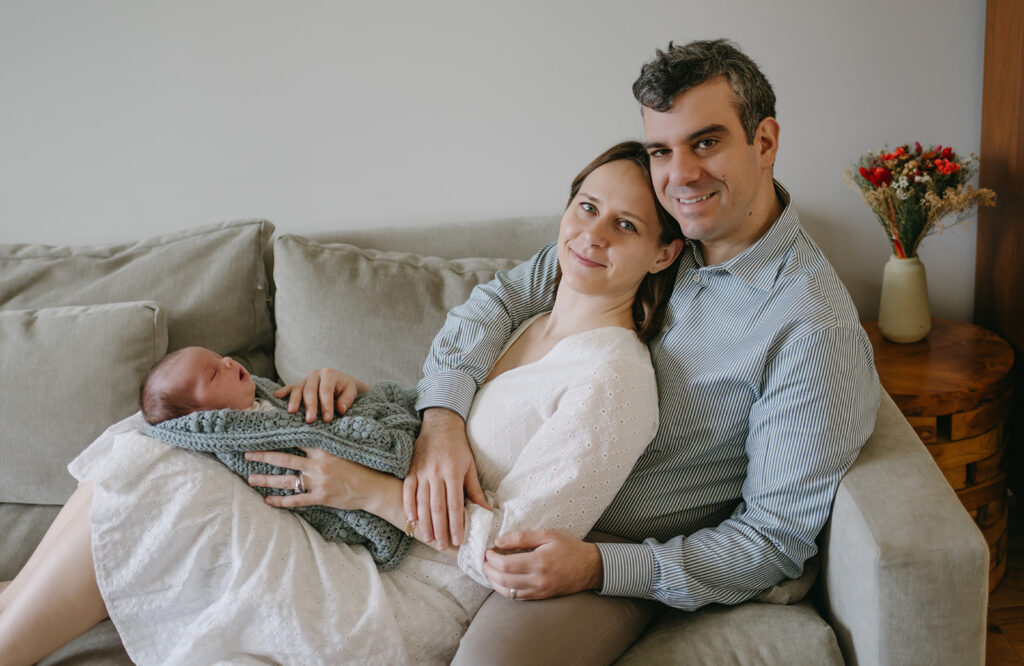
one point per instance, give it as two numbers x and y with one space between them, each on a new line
369 313
751 633
100 646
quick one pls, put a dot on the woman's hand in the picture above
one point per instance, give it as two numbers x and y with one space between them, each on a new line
332 481
328 480
326 389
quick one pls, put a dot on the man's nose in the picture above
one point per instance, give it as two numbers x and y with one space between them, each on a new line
683 169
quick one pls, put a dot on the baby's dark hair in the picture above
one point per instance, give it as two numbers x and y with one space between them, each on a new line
160 401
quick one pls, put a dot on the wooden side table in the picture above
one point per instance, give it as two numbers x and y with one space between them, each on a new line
954 388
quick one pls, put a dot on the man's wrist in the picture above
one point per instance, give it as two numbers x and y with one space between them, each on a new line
442 418
595 567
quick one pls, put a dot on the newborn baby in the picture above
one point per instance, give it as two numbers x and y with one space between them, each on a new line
197 399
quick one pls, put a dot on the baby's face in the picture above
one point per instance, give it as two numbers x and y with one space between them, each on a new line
214 381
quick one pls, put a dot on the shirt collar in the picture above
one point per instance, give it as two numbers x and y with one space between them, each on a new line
759 264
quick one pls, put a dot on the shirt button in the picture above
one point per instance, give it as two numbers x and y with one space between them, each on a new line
696 276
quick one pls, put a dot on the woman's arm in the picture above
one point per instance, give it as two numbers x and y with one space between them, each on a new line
339 483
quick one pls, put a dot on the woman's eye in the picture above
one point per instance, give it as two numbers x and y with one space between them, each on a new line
589 207
627 225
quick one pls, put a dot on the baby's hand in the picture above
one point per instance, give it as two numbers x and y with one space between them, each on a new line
327 389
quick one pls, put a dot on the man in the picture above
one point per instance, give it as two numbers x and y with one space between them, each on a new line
766 379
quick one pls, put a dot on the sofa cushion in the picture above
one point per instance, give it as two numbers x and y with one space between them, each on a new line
69 372
210 281
751 633
369 313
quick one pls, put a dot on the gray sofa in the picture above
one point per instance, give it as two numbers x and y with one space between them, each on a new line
903 569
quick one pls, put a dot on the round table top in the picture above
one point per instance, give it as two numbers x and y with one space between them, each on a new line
955 369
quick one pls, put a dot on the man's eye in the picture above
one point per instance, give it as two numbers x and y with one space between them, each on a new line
659 152
704 144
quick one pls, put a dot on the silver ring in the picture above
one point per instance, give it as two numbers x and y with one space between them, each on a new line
300 484
512 593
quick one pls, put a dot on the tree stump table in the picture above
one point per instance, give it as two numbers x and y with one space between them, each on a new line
954 388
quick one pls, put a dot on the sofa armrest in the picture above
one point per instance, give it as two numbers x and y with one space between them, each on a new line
905 569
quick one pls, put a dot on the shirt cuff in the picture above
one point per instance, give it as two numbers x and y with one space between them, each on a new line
449 389
628 569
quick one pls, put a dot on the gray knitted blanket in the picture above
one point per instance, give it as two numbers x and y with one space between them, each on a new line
378 431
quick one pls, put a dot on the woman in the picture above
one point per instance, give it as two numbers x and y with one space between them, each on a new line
195 568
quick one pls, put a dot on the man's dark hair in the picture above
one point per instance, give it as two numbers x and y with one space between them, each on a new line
679 68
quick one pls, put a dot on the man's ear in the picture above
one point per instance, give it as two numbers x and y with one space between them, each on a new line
667 256
767 141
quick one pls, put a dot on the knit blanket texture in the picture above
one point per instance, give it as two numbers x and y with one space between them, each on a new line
377 431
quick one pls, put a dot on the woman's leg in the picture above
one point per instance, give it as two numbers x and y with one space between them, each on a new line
81 497
55 598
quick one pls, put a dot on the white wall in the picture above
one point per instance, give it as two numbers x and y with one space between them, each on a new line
122 119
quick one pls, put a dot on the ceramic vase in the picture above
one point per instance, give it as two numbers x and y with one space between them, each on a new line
903 313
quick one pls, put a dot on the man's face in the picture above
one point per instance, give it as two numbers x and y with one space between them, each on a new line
706 175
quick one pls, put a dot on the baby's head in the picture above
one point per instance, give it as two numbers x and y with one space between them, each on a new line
194 379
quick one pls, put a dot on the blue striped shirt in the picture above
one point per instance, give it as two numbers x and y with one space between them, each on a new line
767 392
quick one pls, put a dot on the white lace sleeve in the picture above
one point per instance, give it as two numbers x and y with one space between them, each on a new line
575 462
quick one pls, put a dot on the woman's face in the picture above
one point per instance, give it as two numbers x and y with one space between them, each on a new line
610 237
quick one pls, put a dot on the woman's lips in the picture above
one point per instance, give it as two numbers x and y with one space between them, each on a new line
583 260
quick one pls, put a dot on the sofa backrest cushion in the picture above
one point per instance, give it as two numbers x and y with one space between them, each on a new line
372 314
210 282
68 373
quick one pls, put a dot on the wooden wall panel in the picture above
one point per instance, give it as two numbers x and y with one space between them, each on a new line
999 271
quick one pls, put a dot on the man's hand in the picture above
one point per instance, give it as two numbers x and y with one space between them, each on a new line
540 564
441 475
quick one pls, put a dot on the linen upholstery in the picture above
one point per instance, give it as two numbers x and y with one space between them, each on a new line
69 372
750 633
210 281
905 567
369 313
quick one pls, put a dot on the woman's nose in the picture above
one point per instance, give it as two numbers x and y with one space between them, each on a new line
596 233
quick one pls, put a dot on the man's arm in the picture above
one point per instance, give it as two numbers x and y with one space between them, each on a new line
569 469
462 354
816 411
